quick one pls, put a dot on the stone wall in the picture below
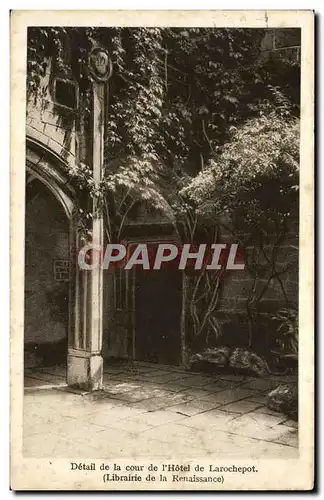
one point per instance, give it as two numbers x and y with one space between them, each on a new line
282 43
242 289
51 125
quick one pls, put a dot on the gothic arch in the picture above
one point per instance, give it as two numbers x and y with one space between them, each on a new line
43 164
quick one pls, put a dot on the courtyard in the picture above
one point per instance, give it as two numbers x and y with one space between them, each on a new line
157 411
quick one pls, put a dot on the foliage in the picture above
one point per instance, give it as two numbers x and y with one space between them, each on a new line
284 398
254 177
236 360
174 91
287 331
66 48
175 96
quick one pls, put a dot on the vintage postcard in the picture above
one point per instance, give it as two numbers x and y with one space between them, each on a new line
162 184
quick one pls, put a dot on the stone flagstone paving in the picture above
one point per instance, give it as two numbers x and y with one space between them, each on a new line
156 411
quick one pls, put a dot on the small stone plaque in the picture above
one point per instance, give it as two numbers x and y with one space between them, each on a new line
61 270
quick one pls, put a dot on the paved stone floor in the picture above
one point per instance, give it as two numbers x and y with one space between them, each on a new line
155 411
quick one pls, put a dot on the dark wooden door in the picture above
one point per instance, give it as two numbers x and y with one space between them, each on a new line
158 299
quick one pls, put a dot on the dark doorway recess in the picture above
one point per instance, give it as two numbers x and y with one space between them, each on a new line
158 299
46 277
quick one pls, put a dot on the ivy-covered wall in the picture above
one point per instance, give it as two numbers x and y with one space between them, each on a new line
50 124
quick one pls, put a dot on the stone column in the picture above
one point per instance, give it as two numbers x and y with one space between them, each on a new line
85 363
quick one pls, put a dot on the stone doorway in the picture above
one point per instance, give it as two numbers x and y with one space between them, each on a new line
46 276
158 302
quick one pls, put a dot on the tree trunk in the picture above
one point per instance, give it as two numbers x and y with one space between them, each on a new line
183 324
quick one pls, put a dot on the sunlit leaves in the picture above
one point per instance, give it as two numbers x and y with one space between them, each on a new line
256 174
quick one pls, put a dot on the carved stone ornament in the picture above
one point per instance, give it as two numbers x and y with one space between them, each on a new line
100 64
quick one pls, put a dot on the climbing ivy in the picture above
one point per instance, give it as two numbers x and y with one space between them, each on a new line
174 98
174 92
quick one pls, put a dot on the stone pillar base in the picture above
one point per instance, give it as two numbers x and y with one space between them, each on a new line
84 370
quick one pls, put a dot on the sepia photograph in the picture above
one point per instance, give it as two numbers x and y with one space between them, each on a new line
161 286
